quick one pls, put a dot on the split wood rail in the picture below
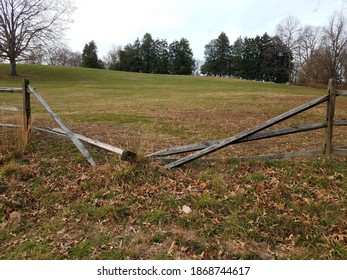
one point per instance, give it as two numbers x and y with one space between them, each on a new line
202 149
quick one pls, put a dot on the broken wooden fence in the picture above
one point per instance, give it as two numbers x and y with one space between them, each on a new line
64 131
253 134
202 149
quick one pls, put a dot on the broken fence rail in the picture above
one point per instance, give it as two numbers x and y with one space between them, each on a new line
231 140
254 137
124 154
69 133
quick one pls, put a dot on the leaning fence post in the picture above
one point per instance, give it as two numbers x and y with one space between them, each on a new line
330 119
26 111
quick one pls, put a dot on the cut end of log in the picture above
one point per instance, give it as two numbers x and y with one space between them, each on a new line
128 156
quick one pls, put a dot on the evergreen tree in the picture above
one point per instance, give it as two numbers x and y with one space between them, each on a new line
261 58
90 56
125 59
218 57
275 58
223 55
156 56
161 61
148 53
210 66
236 58
130 58
282 61
181 57
266 58
251 58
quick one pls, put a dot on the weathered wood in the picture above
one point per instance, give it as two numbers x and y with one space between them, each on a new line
9 125
93 142
26 110
330 119
70 134
125 155
340 151
10 108
254 137
249 132
10 90
341 93
307 153
41 130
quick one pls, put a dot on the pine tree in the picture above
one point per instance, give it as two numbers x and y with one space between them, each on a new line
237 54
181 58
90 57
218 57
147 53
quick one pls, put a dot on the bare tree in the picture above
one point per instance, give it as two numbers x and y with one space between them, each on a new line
112 58
334 43
288 31
63 56
26 24
308 42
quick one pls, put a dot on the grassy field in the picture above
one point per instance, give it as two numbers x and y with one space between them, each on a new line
54 206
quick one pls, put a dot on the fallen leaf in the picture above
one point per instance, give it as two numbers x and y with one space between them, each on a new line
15 216
186 209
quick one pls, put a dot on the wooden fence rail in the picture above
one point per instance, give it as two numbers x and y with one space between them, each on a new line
255 133
10 90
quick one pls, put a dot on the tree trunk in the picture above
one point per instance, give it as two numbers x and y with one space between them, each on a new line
13 68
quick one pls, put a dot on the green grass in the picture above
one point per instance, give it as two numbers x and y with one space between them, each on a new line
119 118
87 87
53 205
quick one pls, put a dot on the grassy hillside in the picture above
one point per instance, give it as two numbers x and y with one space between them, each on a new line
54 206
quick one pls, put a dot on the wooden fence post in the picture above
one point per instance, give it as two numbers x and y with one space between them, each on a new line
330 119
26 111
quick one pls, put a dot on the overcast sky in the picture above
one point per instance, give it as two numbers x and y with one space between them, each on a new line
119 22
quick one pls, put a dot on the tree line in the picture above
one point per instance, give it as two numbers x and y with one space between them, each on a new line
262 58
153 56
146 55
